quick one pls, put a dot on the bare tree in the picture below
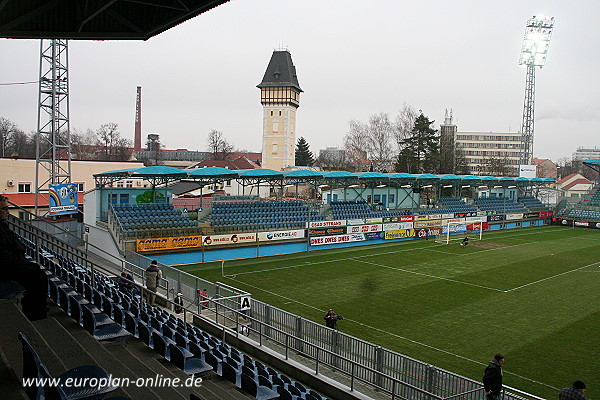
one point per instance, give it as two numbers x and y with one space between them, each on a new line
333 159
8 129
373 139
83 145
218 145
405 123
112 146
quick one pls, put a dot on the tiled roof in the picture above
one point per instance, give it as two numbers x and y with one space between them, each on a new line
28 199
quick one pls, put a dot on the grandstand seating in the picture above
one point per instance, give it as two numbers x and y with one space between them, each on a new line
185 345
359 209
453 205
595 198
583 214
499 204
531 202
262 215
135 217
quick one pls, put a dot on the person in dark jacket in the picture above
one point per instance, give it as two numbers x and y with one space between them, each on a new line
153 277
14 266
331 319
178 300
492 378
575 392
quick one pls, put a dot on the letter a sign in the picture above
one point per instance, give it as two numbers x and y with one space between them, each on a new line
244 303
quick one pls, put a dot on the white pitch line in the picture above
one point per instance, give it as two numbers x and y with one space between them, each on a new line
432 276
290 300
308 263
551 277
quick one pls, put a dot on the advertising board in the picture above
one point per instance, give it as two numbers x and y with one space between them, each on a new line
428 232
63 199
396 226
497 217
168 243
399 234
365 228
281 235
318 241
514 216
531 215
326 224
428 224
327 231
219 240
546 214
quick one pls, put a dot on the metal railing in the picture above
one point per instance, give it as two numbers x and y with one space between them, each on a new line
356 360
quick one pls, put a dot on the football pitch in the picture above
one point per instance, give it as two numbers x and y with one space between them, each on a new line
532 294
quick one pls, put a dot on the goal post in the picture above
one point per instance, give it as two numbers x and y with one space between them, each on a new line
458 230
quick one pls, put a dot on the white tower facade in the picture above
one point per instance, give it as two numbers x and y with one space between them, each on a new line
280 97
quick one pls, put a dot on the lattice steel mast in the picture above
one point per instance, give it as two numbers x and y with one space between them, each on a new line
533 54
53 140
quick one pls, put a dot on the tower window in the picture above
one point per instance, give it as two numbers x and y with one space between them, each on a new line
280 113
274 148
275 126
271 113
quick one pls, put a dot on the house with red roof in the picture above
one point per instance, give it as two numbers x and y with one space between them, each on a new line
574 185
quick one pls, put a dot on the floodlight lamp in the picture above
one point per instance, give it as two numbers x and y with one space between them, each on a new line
497 186
427 186
406 186
353 186
465 186
512 186
536 41
482 186
380 186
447 186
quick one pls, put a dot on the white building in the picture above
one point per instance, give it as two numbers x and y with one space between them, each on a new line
586 154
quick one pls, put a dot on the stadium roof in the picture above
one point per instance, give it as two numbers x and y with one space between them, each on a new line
96 19
210 175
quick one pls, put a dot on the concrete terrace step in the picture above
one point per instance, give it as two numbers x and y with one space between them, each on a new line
77 347
213 387
11 345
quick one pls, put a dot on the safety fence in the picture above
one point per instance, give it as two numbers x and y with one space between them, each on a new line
352 360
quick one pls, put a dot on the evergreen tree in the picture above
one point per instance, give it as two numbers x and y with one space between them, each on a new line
420 152
304 156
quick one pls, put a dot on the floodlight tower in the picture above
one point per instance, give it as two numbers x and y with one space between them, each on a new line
53 137
533 54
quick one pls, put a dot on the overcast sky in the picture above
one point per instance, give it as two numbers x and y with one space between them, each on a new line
353 59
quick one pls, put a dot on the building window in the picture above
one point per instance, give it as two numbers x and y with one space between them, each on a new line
80 186
274 148
275 126
228 183
120 184
280 113
391 198
24 187
129 184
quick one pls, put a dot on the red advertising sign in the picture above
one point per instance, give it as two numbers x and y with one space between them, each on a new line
365 228
326 224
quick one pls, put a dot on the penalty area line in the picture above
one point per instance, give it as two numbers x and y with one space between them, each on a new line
551 277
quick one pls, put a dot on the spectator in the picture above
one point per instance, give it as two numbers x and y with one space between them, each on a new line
178 300
492 378
16 267
331 319
575 392
153 277
126 284
202 299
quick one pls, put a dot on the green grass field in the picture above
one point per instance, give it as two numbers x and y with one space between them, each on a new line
533 294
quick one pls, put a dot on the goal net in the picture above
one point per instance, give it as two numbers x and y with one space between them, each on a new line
458 230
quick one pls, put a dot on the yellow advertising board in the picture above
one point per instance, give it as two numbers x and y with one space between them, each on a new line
399 234
169 243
